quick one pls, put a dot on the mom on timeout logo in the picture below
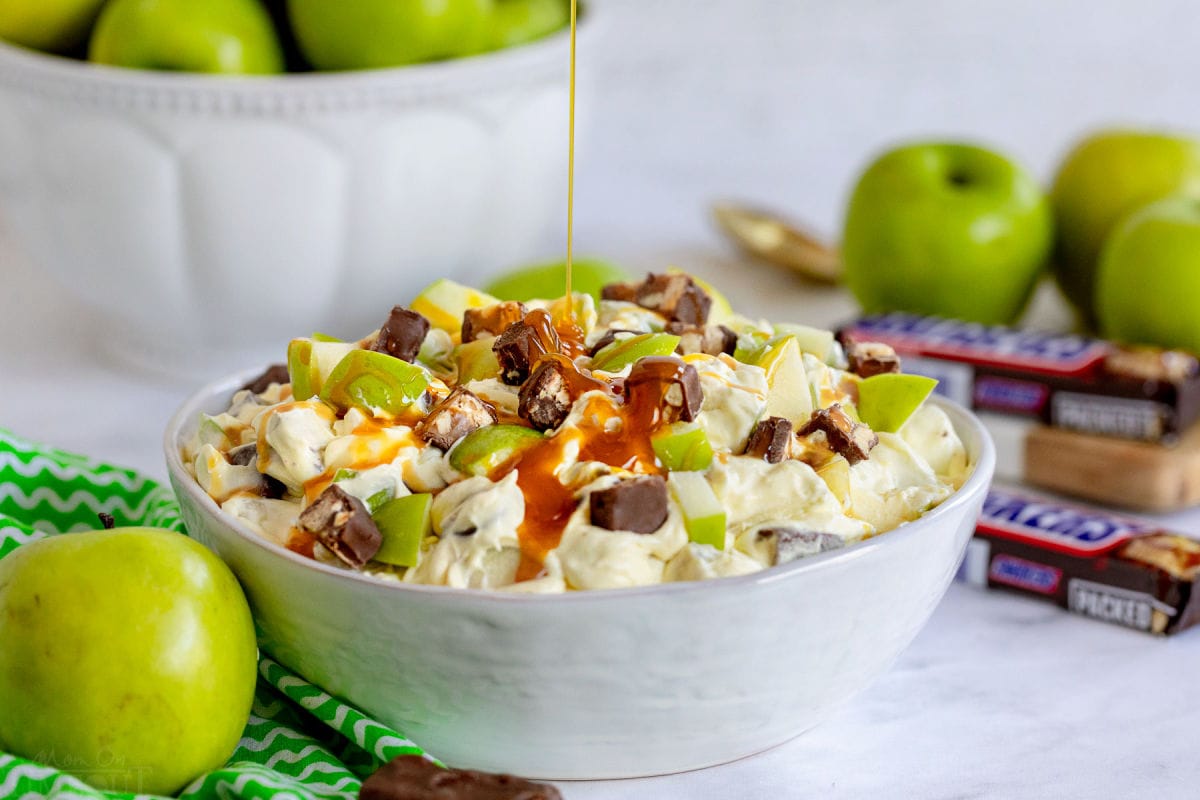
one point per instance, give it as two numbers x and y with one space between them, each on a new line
107 769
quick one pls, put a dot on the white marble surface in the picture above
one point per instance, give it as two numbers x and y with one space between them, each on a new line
999 697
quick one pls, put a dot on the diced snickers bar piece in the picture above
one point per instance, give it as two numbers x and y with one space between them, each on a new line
771 440
666 382
638 505
415 778
343 525
676 296
276 373
401 336
545 398
625 292
712 340
453 418
793 543
492 320
849 439
521 344
871 358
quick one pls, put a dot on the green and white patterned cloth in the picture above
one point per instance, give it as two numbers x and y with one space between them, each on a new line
300 742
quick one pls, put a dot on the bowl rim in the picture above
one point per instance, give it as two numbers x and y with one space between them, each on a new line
81 81
975 485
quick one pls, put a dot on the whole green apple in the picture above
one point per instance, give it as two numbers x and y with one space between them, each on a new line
588 276
1102 180
947 229
367 34
127 657
55 26
517 22
221 36
1148 281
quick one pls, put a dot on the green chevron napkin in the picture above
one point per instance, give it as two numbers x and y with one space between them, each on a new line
300 742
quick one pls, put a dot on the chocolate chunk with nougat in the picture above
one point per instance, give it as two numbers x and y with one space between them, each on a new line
871 358
1151 364
276 373
453 418
712 340
624 292
401 336
771 440
668 383
638 505
545 397
415 778
343 526
793 543
479 323
674 295
849 439
521 344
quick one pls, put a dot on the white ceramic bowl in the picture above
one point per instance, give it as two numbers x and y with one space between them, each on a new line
202 213
601 684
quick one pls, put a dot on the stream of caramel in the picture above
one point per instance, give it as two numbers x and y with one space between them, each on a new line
570 306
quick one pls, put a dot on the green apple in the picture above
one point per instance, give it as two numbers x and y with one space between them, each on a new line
477 360
485 449
374 381
703 514
368 34
404 523
1148 283
55 26
543 281
1102 180
225 36
721 311
310 361
682 447
817 341
788 392
127 657
836 474
444 301
885 402
952 230
623 352
517 22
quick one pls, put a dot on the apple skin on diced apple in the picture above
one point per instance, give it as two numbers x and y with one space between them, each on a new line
885 402
682 447
374 381
487 448
404 523
476 361
623 352
444 301
309 361
703 514
788 392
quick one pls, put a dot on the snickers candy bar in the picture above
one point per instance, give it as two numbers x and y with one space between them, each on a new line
867 359
276 373
401 336
545 397
712 340
1151 364
522 343
638 505
794 543
849 439
667 383
771 440
460 413
343 525
676 296
415 778
491 321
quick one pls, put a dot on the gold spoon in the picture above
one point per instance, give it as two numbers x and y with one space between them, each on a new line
777 241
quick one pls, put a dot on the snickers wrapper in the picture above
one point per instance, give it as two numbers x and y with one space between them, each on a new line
1086 560
1087 385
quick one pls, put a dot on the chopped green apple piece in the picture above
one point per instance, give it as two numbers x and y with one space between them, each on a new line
682 447
324 337
309 361
476 361
750 347
404 523
721 311
444 301
588 276
375 501
211 432
885 402
703 514
374 381
836 474
623 352
817 341
788 393
487 448
345 475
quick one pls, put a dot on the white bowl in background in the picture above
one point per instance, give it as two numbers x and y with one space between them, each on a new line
199 214
606 683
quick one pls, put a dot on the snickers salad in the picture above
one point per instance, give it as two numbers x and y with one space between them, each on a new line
553 445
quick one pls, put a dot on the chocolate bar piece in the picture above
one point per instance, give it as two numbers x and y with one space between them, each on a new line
247 454
453 418
712 340
637 504
676 296
1086 560
794 543
415 778
491 320
522 343
343 525
545 397
771 440
868 359
624 292
667 383
276 373
849 439
401 336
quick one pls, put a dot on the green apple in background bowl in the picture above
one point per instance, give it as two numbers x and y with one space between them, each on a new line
948 229
127 657
1148 281
588 276
1103 179
223 36
54 26
516 22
